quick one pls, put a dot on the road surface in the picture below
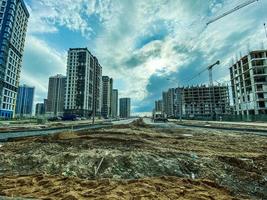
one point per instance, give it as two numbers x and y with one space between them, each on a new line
162 124
4 136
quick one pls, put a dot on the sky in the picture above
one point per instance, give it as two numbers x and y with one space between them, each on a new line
146 46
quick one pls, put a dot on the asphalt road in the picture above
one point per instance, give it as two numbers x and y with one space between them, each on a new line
162 124
262 131
18 134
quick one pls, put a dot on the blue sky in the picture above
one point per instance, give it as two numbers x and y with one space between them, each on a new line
141 44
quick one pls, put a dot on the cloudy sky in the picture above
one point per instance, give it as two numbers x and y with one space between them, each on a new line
147 46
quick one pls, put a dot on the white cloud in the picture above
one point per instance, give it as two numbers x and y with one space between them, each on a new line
39 62
125 23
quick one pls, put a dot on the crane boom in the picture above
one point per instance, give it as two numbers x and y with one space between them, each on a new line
232 10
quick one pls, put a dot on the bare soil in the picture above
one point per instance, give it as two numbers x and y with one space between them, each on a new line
54 187
234 164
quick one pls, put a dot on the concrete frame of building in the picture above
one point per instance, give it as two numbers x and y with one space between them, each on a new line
13 26
249 84
201 102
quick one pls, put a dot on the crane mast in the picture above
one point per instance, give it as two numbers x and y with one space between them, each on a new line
231 11
210 72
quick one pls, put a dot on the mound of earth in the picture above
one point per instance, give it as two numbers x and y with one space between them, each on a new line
231 159
69 188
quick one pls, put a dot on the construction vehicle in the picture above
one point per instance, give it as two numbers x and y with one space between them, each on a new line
159 117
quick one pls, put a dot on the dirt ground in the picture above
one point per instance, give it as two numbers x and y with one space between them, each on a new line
51 187
234 163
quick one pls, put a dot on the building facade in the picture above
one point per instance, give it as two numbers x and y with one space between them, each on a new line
83 86
158 106
56 95
24 103
13 26
107 88
205 102
39 109
125 107
114 103
168 102
97 88
199 102
249 84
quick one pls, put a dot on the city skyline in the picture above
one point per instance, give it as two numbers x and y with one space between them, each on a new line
164 48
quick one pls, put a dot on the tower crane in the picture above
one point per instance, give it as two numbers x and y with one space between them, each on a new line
246 3
210 71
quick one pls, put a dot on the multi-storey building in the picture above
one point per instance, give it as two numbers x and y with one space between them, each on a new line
205 102
56 95
13 25
125 107
39 109
249 84
83 87
114 103
158 106
202 102
168 102
107 87
97 88
24 102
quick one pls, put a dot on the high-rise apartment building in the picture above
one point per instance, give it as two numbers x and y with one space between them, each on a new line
107 87
24 104
13 26
249 84
39 109
83 87
125 107
168 102
114 103
56 95
158 106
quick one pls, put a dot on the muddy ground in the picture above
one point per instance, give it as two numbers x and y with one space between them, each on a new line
234 163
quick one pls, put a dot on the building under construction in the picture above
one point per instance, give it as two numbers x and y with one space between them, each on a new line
197 102
249 84
205 102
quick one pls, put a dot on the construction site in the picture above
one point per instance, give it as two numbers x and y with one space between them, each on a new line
185 151
136 161
204 102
